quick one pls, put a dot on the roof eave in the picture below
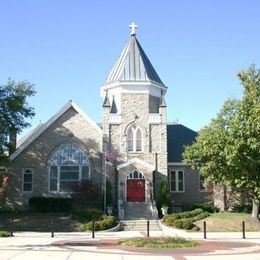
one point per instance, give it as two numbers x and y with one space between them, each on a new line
45 126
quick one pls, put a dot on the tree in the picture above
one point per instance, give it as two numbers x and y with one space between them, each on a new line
14 110
227 151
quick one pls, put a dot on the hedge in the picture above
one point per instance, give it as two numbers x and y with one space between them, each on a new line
206 207
45 204
105 222
185 219
5 234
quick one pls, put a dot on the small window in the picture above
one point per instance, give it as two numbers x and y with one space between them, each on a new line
177 181
27 180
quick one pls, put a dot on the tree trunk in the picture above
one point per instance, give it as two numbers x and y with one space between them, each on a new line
255 210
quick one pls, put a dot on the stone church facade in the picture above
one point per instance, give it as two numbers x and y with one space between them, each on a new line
145 150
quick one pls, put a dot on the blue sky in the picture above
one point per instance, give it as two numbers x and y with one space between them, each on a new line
68 47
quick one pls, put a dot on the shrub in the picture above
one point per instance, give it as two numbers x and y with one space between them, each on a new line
201 216
184 220
105 222
206 207
242 208
5 234
164 198
187 224
45 204
87 214
169 219
178 223
190 214
87 193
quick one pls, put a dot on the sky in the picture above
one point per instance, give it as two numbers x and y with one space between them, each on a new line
68 47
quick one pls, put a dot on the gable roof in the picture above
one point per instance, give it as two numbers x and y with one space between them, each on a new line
24 142
133 65
135 161
177 137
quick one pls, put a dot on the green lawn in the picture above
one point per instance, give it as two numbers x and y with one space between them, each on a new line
228 222
158 242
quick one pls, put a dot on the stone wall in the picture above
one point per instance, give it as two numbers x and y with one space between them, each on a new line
135 109
70 127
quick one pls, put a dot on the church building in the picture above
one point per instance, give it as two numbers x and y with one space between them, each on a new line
134 148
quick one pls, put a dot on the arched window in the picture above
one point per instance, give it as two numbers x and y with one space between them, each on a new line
135 175
134 139
68 166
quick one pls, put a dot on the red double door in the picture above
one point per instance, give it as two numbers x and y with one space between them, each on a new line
136 190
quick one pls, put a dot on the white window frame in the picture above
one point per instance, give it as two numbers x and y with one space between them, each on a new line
23 182
176 174
134 130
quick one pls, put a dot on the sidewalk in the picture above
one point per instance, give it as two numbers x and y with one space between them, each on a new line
33 245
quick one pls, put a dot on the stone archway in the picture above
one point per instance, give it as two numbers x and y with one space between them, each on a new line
135 187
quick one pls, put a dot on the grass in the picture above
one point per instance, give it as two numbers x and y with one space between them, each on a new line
41 222
159 242
229 222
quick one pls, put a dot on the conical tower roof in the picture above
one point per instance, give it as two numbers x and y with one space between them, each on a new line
133 65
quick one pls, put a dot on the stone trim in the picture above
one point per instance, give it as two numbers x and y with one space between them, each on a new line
133 161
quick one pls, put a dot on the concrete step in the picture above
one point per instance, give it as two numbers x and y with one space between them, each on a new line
140 225
140 210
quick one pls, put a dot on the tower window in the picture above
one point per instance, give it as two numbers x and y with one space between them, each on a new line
134 139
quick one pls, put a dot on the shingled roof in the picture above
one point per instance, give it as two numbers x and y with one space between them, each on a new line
177 137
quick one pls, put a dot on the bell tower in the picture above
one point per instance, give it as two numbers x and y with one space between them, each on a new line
134 119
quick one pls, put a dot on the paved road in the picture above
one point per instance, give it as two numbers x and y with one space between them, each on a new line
74 246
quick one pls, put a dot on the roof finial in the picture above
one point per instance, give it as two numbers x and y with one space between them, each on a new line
133 27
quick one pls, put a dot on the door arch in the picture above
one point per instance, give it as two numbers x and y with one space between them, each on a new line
135 187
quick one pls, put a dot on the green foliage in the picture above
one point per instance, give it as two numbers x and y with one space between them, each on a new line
87 194
87 214
5 234
44 204
185 219
164 198
206 207
103 223
202 215
190 214
227 151
159 242
14 110
242 208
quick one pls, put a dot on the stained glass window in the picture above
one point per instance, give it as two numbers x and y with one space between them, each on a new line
68 166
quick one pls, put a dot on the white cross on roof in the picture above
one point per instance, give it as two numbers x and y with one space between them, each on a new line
133 27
